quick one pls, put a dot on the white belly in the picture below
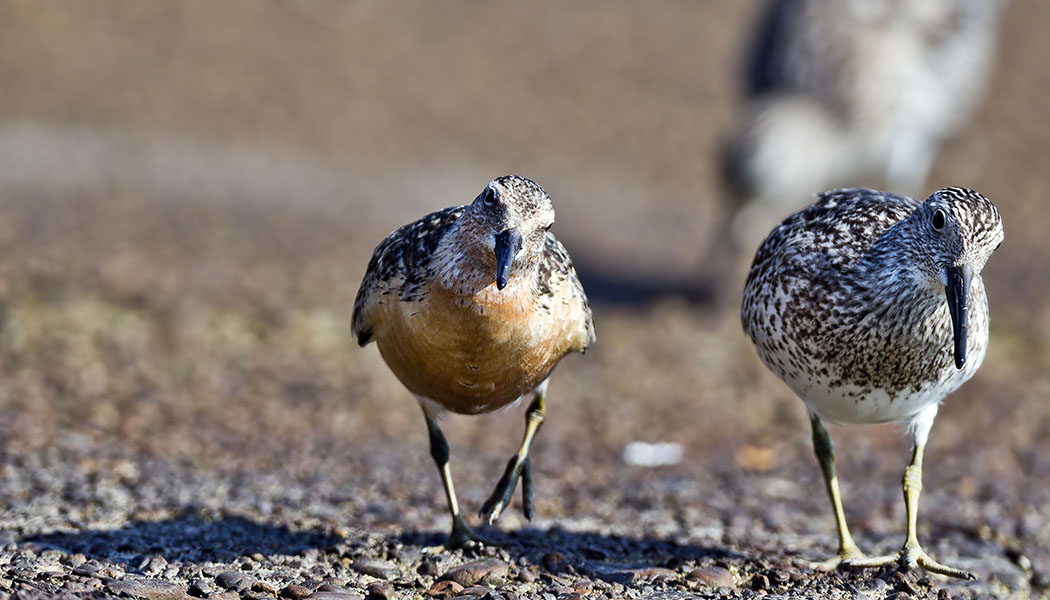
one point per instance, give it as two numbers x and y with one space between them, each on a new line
858 404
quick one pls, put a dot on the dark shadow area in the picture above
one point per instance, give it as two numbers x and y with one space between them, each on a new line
187 537
611 558
607 286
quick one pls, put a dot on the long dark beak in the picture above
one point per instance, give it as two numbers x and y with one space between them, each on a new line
508 243
958 292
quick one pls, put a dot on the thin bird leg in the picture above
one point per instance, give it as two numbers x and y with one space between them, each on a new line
518 466
825 451
462 535
912 554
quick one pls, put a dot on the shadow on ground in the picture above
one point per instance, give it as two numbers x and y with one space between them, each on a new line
607 286
187 537
612 558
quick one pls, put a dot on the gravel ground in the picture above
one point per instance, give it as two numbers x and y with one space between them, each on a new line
189 197
82 519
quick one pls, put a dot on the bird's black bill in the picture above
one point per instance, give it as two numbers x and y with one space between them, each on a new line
958 292
508 243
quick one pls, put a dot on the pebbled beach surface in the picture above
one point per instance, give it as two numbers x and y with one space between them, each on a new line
188 198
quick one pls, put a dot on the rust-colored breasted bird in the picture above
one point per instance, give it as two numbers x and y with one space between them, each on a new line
472 307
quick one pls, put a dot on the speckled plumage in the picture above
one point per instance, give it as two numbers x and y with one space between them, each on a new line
834 309
432 279
841 90
871 308
472 307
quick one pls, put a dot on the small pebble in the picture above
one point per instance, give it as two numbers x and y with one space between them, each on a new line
428 566
201 588
643 574
86 570
553 561
346 595
294 592
376 568
445 589
759 582
902 584
155 564
264 587
232 580
485 570
712 576
380 590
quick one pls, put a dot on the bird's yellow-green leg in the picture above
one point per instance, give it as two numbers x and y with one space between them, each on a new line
912 555
825 451
462 535
518 466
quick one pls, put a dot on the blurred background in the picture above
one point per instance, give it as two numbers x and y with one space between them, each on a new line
189 193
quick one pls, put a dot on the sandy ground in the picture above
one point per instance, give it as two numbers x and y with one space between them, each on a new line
190 193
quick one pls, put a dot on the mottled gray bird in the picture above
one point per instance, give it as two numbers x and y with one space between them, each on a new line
871 308
839 91
472 307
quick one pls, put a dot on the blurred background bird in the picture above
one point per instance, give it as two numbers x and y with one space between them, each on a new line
844 92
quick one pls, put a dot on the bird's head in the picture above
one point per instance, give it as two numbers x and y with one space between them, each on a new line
511 217
959 229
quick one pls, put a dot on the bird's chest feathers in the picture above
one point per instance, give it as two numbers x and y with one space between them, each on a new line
472 352
472 318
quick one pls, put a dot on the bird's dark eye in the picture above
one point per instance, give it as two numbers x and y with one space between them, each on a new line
489 196
938 219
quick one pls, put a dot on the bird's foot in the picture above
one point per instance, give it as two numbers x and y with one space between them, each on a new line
843 556
462 537
500 498
910 557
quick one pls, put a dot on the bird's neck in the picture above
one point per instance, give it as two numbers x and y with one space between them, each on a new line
888 270
467 267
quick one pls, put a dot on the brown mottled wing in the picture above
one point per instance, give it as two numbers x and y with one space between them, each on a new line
831 234
558 281
810 235
400 266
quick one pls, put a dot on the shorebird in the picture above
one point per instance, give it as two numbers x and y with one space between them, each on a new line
838 91
871 308
472 307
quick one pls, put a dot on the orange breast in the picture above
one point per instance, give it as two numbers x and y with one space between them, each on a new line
470 356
